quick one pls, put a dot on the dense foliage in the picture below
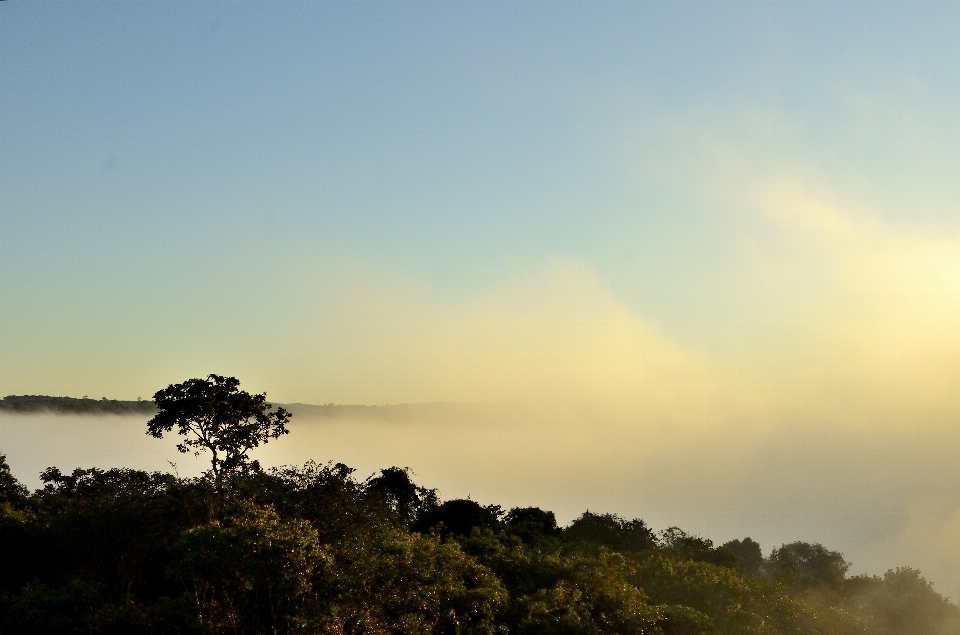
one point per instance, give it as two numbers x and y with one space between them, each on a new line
312 549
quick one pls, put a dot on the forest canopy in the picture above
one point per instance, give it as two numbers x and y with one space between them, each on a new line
315 549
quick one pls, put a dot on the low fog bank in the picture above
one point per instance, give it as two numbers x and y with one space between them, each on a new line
34 442
884 498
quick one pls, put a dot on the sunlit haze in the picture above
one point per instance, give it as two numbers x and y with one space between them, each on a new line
695 262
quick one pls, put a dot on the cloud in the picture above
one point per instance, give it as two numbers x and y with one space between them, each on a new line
553 336
844 315
863 300
859 300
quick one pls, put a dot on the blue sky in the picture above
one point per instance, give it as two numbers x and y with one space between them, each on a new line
180 173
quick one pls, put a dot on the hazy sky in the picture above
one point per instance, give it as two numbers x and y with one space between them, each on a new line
680 220
338 201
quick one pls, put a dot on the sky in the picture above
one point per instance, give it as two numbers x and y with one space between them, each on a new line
657 234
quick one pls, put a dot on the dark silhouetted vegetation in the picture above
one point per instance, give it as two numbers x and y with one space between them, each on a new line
215 416
23 404
313 549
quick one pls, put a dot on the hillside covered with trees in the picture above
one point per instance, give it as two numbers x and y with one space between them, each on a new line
314 549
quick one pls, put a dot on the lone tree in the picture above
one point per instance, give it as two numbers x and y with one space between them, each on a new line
214 414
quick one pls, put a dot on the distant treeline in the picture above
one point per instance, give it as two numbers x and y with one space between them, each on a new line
72 405
85 405
386 412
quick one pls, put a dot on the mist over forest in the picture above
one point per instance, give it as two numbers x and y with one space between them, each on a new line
324 549
884 501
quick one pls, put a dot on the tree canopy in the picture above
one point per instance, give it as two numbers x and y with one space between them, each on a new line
213 414
313 549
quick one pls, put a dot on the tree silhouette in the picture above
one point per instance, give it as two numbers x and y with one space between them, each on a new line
749 553
611 531
404 497
214 414
10 489
804 564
